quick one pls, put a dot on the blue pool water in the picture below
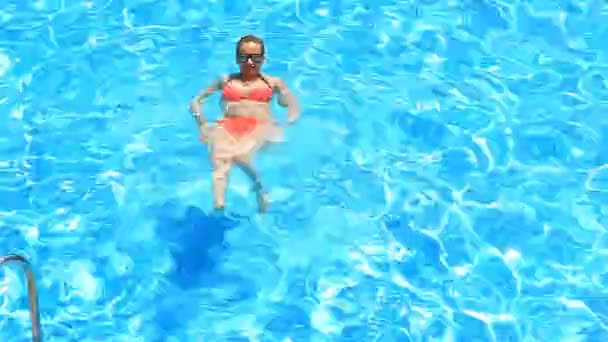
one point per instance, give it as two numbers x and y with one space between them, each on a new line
448 180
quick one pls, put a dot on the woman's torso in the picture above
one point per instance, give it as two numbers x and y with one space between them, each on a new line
247 99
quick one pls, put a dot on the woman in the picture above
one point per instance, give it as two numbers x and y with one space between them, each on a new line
248 123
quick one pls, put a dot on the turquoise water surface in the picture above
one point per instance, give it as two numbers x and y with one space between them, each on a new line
448 180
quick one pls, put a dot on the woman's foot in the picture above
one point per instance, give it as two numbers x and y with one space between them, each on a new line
262 198
262 201
218 208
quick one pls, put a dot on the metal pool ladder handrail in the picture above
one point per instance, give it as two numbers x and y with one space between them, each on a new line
32 292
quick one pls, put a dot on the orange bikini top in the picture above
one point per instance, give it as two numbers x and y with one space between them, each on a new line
258 94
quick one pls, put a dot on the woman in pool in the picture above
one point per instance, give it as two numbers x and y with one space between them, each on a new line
248 123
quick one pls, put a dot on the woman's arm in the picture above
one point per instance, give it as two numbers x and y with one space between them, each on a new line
288 99
195 105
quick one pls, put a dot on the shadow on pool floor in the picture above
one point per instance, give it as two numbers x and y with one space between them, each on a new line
194 237
192 234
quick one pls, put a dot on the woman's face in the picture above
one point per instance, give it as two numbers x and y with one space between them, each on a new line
250 58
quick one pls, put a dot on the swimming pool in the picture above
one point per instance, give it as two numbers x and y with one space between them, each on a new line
447 182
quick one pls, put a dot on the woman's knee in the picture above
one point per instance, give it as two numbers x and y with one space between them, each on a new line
219 176
243 160
220 169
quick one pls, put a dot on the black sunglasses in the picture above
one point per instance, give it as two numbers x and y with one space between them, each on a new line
256 58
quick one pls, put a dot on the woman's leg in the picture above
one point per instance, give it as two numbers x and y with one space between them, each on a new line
221 169
245 164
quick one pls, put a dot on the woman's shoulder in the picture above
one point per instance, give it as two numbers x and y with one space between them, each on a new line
223 79
274 81
232 76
